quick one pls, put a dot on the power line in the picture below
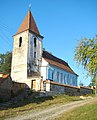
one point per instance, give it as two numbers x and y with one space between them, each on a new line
2 24
6 37
6 40
4 30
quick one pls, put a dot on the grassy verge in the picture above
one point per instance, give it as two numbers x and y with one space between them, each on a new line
87 112
31 103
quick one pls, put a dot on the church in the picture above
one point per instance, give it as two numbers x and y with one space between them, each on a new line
33 65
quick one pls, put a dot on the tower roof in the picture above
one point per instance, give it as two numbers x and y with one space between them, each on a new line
28 24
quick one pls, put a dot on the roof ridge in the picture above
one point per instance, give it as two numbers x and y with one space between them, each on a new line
53 60
56 58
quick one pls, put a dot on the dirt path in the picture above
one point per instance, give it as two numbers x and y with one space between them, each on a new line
51 113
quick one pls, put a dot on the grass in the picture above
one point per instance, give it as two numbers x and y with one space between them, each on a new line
87 112
30 103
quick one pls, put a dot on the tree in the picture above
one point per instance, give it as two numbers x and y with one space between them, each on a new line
81 84
5 62
86 55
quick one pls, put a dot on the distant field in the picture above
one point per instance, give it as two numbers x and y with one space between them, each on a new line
86 112
29 104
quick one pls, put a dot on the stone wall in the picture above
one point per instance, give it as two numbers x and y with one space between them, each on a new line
85 90
17 87
70 90
5 94
8 88
67 89
5 89
58 88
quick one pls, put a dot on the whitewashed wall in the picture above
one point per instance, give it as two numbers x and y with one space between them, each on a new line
19 58
64 76
44 69
51 72
34 63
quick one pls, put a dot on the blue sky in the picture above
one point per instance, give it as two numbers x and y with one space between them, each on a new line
62 23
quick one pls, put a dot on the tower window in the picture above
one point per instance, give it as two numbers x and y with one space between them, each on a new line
20 41
34 42
34 54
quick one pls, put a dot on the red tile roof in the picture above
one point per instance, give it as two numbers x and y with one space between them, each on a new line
4 76
51 59
28 24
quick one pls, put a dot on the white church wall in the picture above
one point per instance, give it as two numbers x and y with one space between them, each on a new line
59 75
44 69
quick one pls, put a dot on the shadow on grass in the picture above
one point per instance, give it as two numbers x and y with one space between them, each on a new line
19 102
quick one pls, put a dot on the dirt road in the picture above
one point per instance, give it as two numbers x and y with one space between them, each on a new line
53 112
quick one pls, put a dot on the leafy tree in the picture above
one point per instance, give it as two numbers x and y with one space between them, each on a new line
92 84
5 62
86 55
81 84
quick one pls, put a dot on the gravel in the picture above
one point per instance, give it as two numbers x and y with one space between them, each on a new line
53 112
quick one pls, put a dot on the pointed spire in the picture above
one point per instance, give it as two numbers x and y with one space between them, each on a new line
28 24
30 6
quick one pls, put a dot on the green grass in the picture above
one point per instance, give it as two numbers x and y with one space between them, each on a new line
86 112
30 103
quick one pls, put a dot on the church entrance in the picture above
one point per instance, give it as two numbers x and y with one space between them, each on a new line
33 85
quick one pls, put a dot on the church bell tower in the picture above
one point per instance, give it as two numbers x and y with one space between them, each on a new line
27 52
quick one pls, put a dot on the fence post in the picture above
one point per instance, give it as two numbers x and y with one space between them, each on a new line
47 85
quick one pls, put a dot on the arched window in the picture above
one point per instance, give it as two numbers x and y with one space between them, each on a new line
52 75
73 81
64 78
61 77
35 42
20 41
49 74
57 76
68 79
